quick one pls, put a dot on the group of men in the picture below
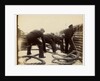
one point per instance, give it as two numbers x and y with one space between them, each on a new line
33 38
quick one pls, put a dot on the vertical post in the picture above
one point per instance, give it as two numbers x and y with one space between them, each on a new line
17 36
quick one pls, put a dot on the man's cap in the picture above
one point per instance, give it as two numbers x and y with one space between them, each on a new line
71 25
42 29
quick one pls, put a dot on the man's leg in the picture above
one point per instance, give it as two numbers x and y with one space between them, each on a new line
72 46
53 45
66 45
29 49
61 47
40 46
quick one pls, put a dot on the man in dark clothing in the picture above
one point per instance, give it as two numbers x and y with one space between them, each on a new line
68 39
50 40
33 39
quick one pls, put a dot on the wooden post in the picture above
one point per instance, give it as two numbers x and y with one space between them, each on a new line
17 36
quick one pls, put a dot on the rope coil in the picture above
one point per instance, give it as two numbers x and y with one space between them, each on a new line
66 59
42 62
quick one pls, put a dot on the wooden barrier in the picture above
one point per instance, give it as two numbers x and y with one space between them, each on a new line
78 41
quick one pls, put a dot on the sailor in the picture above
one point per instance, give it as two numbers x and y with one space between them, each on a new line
33 39
59 41
50 40
68 39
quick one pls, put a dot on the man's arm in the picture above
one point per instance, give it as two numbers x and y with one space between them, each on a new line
43 40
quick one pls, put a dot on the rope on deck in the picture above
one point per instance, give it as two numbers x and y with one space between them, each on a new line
69 59
42 62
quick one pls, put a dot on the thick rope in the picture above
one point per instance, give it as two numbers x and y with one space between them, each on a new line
42 62
69 59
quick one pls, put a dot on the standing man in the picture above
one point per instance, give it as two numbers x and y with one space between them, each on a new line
33 39
68 39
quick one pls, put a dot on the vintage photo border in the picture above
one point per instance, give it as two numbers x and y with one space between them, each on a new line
83 20
11 69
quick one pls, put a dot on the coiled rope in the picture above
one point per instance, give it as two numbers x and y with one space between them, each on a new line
42 62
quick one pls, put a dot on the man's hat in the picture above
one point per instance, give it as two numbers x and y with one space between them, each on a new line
70 25
42 29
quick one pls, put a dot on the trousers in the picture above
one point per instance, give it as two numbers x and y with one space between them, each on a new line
39 44
68 41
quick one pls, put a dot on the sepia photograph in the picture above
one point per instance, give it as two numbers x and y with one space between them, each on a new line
50 39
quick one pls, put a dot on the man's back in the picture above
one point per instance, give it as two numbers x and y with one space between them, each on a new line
69 32
48 37
34 34
57 39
